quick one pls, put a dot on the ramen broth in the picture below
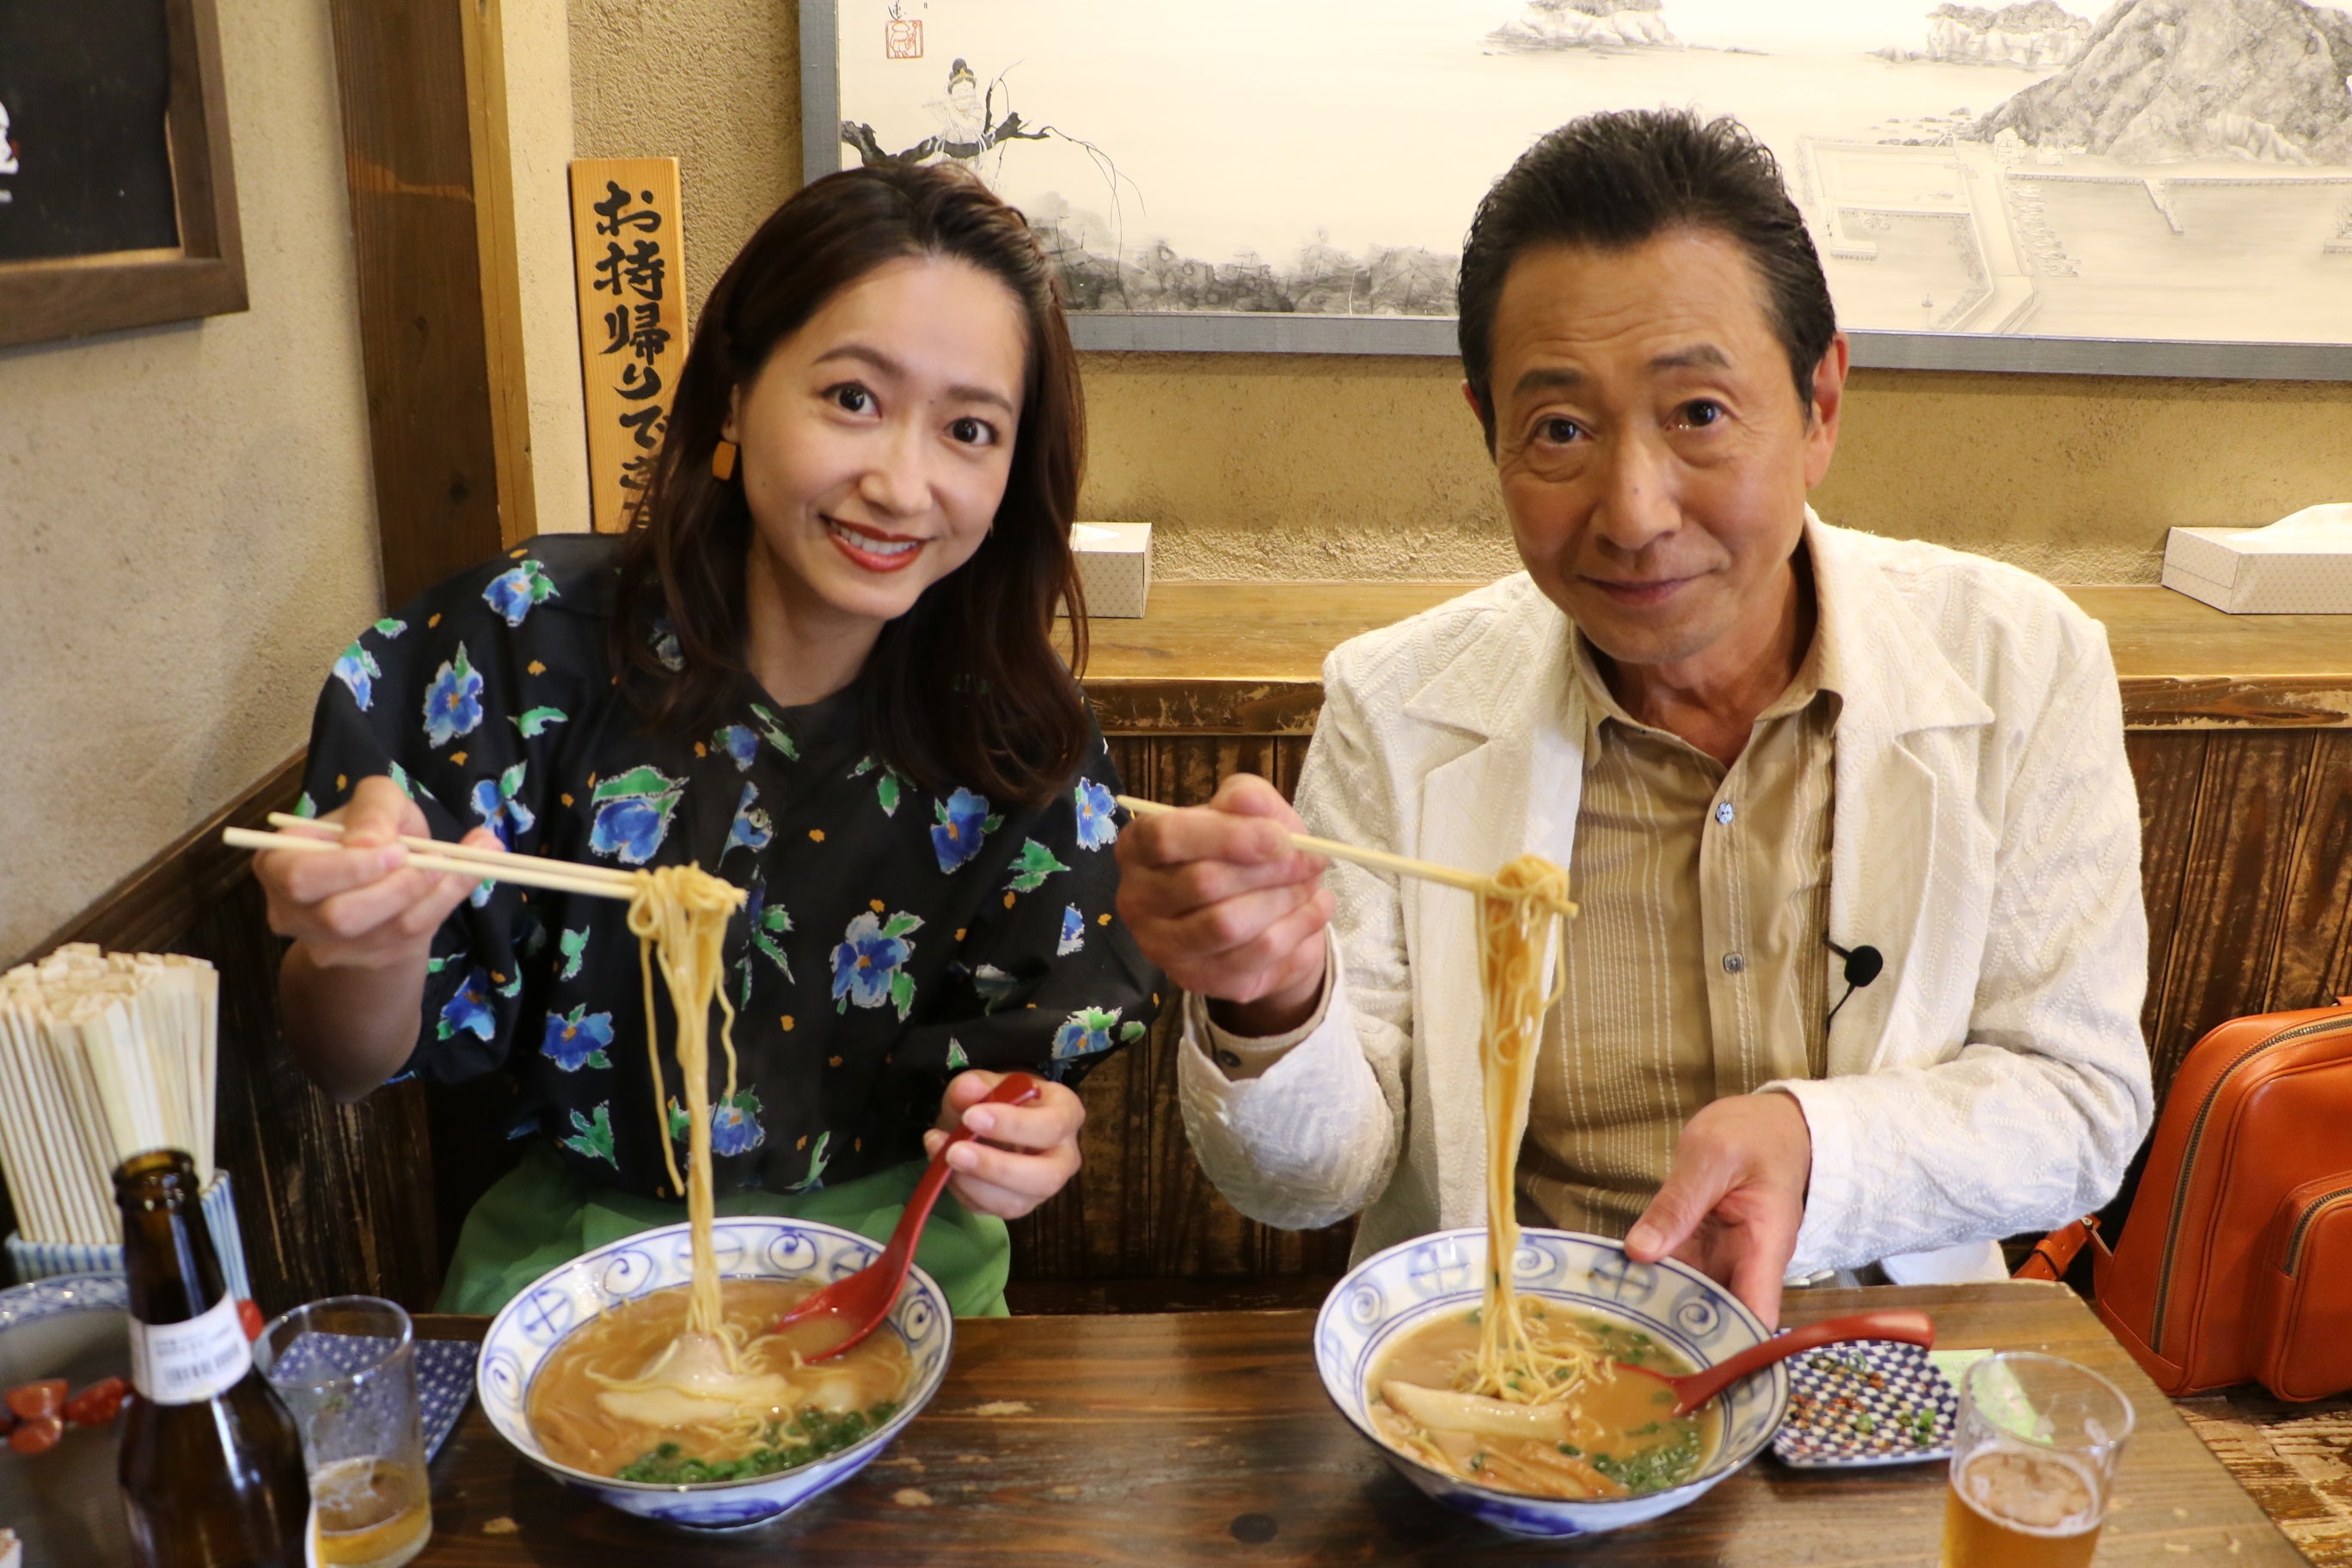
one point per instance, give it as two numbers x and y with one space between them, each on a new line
778 1411
1614 1436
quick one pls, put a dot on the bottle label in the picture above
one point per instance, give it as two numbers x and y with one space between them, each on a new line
187 1364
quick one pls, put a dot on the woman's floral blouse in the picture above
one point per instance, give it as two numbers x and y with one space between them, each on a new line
890 939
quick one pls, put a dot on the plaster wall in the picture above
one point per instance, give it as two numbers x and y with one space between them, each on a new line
187 527
1276 465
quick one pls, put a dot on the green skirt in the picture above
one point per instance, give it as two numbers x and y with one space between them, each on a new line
540 1215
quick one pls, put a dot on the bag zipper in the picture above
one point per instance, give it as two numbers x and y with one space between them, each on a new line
2189 1160
2303 1225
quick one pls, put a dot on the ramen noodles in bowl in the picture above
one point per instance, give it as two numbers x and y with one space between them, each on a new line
1396 1344
578 1374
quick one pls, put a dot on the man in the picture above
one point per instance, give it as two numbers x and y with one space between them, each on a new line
1858 972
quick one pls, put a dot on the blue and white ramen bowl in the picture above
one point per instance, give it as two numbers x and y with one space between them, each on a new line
567 1297
1389 1295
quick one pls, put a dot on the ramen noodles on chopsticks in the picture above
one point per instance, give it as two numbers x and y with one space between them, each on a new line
1524 1393
694 1383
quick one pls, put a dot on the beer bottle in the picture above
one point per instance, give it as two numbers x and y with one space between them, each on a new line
211 1462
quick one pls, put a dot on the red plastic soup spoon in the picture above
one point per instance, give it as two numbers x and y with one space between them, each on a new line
859 1302
1694 1389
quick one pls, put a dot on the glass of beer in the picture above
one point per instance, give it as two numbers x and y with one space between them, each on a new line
2033 1463
346 1367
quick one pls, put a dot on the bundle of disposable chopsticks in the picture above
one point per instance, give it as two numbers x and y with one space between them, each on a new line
101 1054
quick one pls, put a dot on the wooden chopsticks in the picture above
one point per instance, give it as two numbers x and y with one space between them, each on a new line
460 860
1377 859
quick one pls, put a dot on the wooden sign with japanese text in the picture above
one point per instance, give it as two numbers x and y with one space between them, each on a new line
630 268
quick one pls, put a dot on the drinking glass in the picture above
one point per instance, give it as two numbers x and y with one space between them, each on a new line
346 1367
2033 1463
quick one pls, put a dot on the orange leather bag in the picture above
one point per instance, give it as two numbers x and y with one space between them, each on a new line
2236 1259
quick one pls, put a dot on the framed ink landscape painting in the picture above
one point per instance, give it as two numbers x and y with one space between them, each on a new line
2153 187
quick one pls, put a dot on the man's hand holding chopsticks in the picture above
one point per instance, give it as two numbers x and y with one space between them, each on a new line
1218 898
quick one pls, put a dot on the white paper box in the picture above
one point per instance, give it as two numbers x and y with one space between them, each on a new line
2299 565
1114 567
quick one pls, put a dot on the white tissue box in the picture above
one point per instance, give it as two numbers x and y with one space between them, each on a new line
2301 566
1114 567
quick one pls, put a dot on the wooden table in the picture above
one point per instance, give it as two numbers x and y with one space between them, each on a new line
1206 1437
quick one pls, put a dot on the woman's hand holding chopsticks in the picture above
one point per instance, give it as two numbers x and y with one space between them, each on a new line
362 921
1219 898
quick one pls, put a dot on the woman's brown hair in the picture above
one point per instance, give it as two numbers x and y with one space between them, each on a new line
965 689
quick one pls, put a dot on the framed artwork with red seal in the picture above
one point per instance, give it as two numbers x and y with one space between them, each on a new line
2019 189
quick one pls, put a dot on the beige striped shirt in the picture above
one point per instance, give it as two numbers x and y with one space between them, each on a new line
1697 966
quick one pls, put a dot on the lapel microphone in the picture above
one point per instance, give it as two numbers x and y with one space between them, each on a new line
1863 965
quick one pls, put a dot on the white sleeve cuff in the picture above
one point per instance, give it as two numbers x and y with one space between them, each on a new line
1828 1196
1241 1057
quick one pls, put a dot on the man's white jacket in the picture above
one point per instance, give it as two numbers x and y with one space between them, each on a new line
1985 840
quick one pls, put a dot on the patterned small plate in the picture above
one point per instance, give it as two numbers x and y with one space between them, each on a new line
1871 1403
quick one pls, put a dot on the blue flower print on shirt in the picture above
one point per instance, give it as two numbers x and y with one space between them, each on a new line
1089 1030
357 669
501 813
513 594
633 813
665 646
1074 932
964 824
734 1123
737 741
452 703
868 967
577 1039
469 1010
1098 815
752 829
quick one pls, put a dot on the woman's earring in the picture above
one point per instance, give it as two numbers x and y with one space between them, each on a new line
722 462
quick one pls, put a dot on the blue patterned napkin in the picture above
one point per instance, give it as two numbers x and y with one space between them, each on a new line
444 1373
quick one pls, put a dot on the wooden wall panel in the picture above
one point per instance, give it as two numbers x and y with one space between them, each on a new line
1140 1207
2247 866
329 1198
401 69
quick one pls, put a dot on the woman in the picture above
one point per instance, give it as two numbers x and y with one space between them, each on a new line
820 665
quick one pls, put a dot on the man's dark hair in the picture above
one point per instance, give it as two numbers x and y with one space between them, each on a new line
1617 180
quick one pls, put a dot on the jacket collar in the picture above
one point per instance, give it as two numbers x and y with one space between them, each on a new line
1890 675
